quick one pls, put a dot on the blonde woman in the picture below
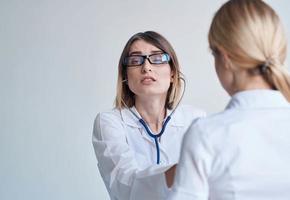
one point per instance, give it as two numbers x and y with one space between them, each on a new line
139 140
243 152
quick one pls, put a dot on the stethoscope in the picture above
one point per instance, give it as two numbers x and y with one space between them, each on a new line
164 124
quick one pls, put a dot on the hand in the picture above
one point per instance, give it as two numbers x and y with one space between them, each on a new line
169 174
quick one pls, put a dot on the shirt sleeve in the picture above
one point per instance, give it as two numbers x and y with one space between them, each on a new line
119 169
192 173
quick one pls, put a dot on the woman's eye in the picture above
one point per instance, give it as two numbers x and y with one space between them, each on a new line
135 60
157 58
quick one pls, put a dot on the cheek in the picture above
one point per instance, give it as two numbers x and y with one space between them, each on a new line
132 75
132 79
166 74
220 73
217 69
167 80
225 78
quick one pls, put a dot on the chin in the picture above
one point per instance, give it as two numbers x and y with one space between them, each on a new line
153 92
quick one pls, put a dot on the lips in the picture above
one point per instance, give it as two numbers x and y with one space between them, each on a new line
148 79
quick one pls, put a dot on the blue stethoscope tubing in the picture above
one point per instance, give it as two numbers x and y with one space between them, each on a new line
155 137
164 124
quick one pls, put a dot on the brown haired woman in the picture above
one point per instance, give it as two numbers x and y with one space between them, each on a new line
138 141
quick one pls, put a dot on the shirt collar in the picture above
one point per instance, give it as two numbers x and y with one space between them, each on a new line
258 99
130 119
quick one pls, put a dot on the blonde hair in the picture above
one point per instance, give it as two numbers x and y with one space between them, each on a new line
252 35
125 97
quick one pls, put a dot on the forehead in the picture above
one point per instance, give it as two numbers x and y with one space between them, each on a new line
143 47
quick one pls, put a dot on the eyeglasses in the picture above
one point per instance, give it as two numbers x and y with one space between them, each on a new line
155 59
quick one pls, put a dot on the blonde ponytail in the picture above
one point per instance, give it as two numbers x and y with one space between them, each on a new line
279 77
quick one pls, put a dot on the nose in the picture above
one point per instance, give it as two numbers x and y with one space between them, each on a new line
146 67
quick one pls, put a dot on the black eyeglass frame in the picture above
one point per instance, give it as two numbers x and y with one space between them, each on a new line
125 62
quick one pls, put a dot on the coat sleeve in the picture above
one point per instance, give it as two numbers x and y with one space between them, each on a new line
193 170
118 166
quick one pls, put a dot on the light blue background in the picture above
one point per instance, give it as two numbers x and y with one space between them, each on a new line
58 69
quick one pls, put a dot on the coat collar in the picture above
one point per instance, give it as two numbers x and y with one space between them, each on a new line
131 120
258 99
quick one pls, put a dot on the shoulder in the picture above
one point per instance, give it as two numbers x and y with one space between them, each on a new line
109 115
107 118
213 129
205 135
221 121
108 124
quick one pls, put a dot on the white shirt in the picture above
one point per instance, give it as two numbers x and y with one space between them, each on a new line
242 153
127 157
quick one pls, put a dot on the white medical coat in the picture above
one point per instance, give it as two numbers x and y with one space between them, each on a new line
127 155
242 153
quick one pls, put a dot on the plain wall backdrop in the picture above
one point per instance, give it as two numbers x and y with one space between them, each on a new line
58 69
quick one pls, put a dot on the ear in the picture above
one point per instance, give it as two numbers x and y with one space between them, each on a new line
225 58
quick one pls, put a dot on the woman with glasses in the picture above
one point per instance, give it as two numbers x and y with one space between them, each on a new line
243 152
138 142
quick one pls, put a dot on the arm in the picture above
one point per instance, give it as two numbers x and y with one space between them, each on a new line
169 175
192 173
118 167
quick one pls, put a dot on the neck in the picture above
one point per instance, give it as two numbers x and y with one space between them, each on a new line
152 110
246 81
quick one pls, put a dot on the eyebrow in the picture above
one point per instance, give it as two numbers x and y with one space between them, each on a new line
140 53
